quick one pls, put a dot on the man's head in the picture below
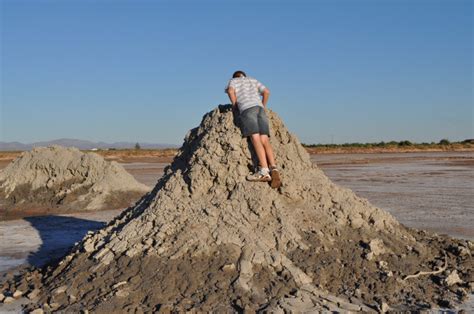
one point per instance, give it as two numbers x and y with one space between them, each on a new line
239 74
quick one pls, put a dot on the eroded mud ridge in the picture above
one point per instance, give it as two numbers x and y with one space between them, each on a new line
65 178
204 239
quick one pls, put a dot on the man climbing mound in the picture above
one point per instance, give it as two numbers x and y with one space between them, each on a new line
250 97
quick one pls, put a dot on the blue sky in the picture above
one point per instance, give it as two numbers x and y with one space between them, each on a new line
147 71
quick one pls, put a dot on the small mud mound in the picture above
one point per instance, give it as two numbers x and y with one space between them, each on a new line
65 179
205 239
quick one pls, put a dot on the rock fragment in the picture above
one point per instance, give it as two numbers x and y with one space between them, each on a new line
33 294
375 247
228 267
8 300
17 294
119 284
453 279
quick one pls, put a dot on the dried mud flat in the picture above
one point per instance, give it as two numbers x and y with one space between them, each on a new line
204 239
432 191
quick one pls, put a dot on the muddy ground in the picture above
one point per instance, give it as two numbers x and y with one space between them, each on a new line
422 190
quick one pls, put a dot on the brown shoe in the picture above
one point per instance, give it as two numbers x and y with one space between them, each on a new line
276 180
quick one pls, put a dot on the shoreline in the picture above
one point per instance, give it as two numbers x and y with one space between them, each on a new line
387 150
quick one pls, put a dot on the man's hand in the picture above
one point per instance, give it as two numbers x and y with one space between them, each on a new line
232 97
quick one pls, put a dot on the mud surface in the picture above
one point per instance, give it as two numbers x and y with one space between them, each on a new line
159 284
210 240
39 240
59 179
339 263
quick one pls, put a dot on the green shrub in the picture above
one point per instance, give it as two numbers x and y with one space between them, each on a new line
405 143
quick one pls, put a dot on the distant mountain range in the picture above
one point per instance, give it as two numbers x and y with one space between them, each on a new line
81 144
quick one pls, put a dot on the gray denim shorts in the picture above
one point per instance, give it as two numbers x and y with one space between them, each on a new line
254 120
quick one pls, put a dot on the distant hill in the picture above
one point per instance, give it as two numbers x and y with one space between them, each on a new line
81 144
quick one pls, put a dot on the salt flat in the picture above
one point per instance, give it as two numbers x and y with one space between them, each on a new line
432 191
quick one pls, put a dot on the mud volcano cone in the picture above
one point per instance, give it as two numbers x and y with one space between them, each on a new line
206 239
62 179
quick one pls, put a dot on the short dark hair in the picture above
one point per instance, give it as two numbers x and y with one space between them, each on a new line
239 74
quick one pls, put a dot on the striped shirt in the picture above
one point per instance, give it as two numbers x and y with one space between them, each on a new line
248 91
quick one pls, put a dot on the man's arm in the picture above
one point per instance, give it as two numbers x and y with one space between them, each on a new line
232 97
265 96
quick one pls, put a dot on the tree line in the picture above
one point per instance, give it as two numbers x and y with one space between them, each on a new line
405 143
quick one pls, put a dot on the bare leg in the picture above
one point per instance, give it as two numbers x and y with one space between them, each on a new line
259 150
268 149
